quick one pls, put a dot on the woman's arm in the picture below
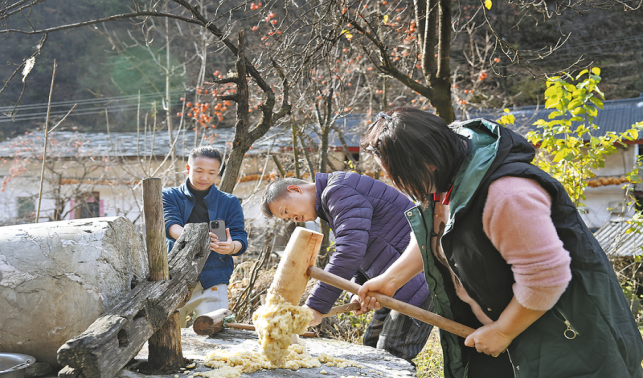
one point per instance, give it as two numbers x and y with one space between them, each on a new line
494 338
399 273
517 220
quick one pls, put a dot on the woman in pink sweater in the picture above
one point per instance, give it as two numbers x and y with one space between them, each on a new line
505 251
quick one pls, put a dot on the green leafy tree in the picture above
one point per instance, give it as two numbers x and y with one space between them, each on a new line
570 153
568 149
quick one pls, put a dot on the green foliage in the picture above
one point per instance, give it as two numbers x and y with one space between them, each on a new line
568 150
507 119
137 69
635 175
636 222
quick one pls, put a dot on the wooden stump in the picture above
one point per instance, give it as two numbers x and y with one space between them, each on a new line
165 348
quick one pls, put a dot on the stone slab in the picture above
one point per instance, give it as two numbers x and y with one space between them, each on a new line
376 362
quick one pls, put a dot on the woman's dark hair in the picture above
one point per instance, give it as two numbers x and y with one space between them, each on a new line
408 142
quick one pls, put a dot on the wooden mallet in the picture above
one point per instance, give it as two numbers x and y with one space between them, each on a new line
289 281
297 266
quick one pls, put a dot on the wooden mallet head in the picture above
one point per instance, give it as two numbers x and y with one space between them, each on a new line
291 277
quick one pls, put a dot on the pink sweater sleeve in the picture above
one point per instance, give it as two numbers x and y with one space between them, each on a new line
517 220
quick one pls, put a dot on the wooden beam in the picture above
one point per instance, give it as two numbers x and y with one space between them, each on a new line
117 336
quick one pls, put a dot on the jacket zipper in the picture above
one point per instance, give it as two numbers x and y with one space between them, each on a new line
570 333
364 273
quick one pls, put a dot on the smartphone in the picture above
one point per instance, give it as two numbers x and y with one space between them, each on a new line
217 227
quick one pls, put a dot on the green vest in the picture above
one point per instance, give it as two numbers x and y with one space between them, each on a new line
588 333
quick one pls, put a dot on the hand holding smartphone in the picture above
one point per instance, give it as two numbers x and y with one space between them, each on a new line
217 227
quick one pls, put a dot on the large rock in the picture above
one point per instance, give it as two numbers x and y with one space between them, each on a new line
56 278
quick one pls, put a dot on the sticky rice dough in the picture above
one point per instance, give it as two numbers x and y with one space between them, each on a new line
275 323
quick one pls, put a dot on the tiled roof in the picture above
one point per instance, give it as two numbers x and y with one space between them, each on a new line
615 240
125 143
616 115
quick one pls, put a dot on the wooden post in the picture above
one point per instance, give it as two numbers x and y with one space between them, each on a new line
155 229
165 352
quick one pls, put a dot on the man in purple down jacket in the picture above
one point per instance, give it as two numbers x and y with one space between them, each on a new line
371 232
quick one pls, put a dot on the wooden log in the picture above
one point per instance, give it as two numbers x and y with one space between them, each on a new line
117 336
165 351
211 322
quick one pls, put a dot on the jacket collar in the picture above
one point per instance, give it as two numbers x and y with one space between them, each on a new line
485 140
492 144
321 181
186 192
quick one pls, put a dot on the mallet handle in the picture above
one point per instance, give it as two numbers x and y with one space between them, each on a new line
342 309
388 302
251 327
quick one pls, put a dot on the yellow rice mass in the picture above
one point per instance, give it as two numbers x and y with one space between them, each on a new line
275 323
232 365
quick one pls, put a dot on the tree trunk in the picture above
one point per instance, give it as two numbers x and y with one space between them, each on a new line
442 84
240 144
295 150
325 123
168 103
307 156
279 166
232 169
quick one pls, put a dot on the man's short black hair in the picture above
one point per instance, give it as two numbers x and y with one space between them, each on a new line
277 190
205 151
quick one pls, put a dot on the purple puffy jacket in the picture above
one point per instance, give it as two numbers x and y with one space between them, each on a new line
371 232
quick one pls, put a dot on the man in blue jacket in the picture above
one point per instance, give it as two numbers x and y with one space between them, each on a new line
196 201
371 232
